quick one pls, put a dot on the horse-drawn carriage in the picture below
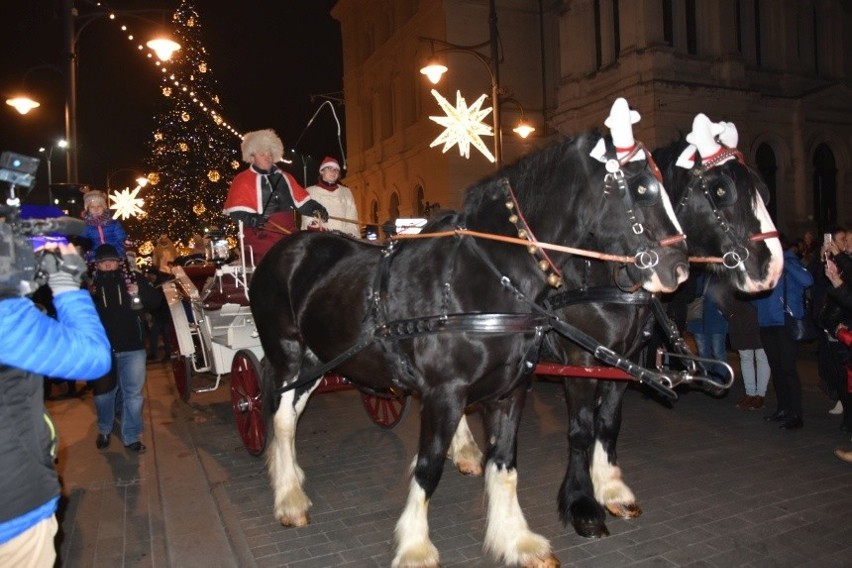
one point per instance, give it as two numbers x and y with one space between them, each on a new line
214 334
461 315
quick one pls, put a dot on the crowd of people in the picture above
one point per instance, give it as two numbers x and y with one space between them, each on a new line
815 284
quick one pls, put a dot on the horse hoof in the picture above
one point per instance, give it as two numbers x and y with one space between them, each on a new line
624 510
549 562
470 468
590 529
294 520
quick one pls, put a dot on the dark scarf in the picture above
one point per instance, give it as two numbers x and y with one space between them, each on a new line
327 186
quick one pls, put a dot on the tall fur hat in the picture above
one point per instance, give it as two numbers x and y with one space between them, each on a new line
262 141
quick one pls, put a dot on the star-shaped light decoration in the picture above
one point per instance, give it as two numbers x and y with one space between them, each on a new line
463 125
126 204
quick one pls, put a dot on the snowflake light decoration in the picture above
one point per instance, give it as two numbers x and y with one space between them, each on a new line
462 125
126 204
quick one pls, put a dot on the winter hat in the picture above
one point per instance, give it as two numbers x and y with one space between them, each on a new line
106 252
94 196
329 162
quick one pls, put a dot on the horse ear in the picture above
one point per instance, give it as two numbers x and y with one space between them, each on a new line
702 136
729 135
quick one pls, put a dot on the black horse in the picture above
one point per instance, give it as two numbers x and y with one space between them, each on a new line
719 201
452 318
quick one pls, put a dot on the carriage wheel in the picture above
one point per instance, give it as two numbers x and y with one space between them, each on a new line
386 411
247 401
181 368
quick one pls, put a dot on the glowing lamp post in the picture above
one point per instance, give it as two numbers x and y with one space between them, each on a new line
433 70
49 151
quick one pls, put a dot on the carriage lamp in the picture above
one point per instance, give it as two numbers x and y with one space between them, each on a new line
217 250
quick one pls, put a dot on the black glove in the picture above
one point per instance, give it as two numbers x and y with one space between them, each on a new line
64 272
257 221
322 211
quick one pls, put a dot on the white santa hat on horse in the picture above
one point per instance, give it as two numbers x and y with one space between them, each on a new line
711 140
620 123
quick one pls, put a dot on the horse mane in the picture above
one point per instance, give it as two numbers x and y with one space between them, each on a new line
554 174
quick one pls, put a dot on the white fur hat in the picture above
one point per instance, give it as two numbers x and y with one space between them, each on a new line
262 141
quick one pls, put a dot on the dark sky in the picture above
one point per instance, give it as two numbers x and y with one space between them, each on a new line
268 57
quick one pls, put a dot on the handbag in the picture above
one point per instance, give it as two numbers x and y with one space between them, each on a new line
798 329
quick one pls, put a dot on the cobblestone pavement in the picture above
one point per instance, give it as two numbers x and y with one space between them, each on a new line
718 486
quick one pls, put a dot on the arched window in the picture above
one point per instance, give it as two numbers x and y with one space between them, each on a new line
767 165
393 208
824 187
419 196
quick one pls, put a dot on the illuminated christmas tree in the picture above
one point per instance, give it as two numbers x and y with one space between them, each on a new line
193 151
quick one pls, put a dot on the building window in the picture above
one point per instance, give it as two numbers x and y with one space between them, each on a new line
668 26
757 39
393 207
419 196
691 28
824 188
767 165
598 46
374 211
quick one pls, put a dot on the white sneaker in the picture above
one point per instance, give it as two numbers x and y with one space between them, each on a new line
838 408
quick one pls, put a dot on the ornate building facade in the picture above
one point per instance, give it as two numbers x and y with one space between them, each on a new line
778 69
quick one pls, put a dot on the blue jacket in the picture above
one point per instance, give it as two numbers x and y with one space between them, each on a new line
113 233
712 321
770 308
32 344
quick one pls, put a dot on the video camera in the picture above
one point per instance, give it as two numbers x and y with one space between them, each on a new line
21 270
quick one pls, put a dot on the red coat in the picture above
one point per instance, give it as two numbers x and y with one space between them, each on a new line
244 193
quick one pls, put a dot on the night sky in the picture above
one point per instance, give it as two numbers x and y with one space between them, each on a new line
268 57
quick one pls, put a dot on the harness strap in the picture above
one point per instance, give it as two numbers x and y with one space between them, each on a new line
597 295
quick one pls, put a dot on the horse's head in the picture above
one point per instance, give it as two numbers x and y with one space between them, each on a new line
589 193
721 202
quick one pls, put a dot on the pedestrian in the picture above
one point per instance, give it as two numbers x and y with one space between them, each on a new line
709 328
102 229
266 198
124 328
744 336
164 255
781 349
161 319
34 345
337 200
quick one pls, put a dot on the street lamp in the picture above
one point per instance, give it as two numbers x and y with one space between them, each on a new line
433 70
61 144
71 34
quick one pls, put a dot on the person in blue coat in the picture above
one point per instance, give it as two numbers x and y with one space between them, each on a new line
781 350
73 346
710 331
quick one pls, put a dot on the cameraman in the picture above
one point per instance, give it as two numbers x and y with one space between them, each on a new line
32 344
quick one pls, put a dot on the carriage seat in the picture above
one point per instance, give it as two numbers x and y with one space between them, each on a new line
223 290
199 274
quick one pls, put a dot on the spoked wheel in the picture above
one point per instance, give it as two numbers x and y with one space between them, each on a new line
181 368
386 410
247 401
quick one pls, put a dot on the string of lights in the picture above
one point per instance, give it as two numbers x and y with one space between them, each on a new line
173 83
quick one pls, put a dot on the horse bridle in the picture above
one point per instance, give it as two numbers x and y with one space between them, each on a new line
738 252
615 182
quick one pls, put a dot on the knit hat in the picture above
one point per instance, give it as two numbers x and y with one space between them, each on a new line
106 252
329 162
94 196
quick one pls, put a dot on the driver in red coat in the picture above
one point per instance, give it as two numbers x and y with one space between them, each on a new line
266 198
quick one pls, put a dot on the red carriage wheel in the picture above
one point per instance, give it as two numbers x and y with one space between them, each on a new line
181 367
182 370
387 411
247 401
